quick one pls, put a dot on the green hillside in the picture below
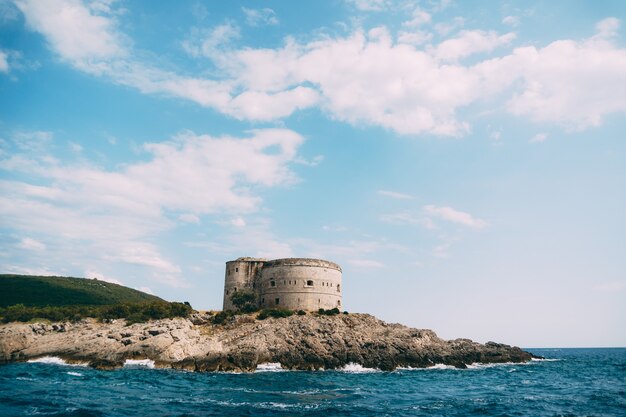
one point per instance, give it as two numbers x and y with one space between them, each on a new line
39 291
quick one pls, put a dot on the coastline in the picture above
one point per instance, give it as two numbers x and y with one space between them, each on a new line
298 342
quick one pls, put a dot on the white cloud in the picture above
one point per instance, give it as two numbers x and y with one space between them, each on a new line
574 84
470 42
364 78
189 218
370 5
31 244
209 42
454 216
366 263
91 273
4 62
538 138
113 215
419 18
404 218
608 27
259 17
147 290
396 195
238 222
32 141
513 21
415 38
72 30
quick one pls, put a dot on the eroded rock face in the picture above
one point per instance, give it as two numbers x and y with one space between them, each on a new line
297 342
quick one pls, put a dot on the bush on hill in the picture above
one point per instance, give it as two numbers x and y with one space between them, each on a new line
277 313
41 291
132 312
331 312
244 301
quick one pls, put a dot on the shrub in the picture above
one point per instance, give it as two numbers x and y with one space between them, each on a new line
277 313
301 312
244 301
221 317
331 312
132 312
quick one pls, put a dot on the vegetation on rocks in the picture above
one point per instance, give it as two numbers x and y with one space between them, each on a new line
276 313
132 312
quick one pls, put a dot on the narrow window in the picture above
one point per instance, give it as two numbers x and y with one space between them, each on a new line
338 303
309 283
284 282
236 269
338 287
235 289
263 300
277 301
272 283
227 292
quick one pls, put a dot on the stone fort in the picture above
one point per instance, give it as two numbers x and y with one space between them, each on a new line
293 283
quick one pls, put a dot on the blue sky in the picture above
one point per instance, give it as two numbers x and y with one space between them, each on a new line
464 162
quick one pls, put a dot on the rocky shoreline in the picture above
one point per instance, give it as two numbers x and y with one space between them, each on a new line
298 342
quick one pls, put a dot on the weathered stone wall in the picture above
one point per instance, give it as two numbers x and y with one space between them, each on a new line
298 283
241 274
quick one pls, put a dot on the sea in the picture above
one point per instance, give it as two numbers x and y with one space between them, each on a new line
569 382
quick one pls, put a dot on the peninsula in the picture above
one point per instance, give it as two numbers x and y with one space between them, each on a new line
281 311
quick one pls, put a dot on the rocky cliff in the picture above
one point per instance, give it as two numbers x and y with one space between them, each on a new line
296 342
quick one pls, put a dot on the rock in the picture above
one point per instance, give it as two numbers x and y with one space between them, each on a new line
297 342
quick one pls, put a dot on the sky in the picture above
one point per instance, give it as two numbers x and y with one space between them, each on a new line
464 162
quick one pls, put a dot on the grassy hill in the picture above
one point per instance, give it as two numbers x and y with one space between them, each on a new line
39 291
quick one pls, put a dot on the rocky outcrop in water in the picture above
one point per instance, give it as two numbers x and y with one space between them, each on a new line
240 344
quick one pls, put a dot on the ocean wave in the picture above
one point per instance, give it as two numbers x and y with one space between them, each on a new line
437 366
139 363
55 360
74 373
357 368
269 367
544 360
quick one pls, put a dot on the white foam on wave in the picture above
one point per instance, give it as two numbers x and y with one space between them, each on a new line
478 365
139 363
55 360
74 373
269 367
437 366
544 360
357 368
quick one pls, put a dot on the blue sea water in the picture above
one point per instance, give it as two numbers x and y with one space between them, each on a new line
574 382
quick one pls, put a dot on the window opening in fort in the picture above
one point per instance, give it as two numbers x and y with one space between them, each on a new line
272 283
338 287
338 302
263 300
284 282
277 301
309 283
236 269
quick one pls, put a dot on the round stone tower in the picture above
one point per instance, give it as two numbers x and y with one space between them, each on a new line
241 274
300 284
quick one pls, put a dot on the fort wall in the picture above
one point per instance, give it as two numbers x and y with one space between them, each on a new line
241 275
293 283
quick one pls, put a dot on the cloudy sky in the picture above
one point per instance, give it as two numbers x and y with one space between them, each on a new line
464 162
